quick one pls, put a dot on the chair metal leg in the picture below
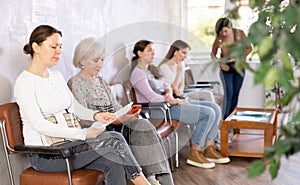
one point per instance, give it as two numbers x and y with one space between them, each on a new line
170 152
176 140
176 150
189 133
5 147
69 171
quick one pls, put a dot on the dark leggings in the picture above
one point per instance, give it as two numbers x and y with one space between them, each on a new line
110 154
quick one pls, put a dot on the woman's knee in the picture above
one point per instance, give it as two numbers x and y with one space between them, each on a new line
142 125
114 134
216 108
211 113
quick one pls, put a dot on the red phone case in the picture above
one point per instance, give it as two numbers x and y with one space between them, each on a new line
135 108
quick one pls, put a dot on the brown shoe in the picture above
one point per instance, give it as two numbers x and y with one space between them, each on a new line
213 155
196 158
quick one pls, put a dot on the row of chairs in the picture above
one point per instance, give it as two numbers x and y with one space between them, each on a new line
11 130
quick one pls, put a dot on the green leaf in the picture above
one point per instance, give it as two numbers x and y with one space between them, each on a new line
296 117
290 12
284 56
296 144
268 103
252 3
265 46
288 131
274 167
256 169
270 152
260 28
270 78
274 3
292 42
261 72
282 146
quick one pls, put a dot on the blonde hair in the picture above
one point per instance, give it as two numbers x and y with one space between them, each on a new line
86 48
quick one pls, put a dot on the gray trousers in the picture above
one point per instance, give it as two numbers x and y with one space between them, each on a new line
110 154
149 151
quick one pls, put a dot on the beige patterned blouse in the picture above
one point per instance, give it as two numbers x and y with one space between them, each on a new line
95 95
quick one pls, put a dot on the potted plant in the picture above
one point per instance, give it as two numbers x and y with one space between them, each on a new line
275 37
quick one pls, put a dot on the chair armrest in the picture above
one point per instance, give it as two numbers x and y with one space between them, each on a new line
144 114
209 82
65 150
204 85
164 105
155 105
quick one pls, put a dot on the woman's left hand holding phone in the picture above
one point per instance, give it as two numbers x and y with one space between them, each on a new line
128 118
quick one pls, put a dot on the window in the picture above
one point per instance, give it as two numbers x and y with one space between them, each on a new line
202 16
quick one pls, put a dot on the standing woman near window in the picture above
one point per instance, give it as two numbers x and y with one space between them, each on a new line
41 92
226 35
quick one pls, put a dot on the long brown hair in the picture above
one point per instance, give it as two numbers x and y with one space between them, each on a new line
140 46
177 45
39 35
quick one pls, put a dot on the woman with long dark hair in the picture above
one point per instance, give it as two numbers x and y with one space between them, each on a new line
150 87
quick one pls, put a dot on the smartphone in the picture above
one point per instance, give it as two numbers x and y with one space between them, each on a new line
135 108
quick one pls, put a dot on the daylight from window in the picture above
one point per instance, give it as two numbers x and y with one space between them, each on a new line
202 16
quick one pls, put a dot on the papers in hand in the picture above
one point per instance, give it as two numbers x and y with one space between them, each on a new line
98 124
123 110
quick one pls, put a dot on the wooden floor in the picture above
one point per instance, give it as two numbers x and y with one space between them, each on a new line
234 173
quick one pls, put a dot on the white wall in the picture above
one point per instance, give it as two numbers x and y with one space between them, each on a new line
120 23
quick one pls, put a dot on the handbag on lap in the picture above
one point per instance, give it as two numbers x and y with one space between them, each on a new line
71 121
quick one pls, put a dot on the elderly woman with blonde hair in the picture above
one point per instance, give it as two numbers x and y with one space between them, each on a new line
93 92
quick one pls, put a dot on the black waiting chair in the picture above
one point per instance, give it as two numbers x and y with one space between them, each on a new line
11 130
164 127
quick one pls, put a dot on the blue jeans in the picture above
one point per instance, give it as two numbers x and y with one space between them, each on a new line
203 117
218 112
233 83
214 106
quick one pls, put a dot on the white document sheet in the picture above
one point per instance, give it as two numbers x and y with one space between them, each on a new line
124 110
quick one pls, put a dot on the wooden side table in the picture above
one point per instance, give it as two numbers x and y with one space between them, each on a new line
249 144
